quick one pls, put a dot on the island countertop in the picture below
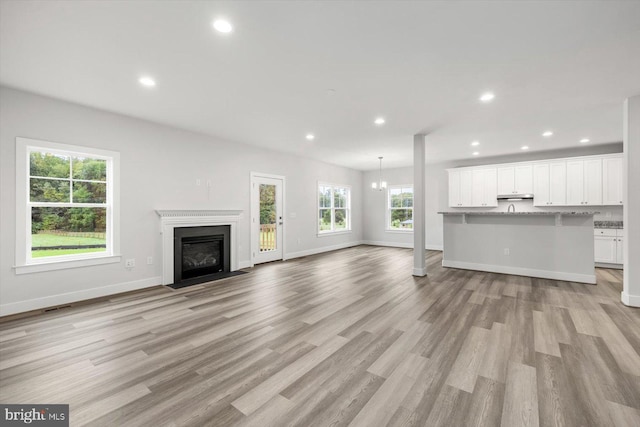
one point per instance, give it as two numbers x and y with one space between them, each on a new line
485 213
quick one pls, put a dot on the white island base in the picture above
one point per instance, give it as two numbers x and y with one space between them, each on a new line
548 245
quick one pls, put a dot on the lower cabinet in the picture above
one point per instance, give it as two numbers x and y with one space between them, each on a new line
608 246
619 251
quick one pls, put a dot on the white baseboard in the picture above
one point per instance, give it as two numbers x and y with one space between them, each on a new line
244 264
630 300
399 245
322 249
521 271
388 244
55 300
607 265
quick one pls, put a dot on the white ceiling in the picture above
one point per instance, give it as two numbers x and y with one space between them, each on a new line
565 66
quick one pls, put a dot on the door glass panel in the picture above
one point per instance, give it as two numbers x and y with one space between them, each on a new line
268 241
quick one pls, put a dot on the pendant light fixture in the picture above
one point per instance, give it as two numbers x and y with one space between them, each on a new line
380 185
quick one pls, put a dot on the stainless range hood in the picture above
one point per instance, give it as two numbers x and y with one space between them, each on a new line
515 197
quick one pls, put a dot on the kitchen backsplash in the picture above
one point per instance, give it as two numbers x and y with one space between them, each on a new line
607 213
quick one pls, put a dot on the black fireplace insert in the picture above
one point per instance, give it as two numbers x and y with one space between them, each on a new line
201 254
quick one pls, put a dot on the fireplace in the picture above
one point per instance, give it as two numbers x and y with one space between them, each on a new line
172 220
201 254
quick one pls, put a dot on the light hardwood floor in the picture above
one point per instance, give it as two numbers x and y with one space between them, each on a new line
343 338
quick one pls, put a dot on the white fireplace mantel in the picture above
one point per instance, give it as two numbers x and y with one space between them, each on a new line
171 219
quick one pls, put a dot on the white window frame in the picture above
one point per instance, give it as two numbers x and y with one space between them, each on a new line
333 231
24 262
390 229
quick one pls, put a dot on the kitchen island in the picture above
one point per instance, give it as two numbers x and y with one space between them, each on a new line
549 245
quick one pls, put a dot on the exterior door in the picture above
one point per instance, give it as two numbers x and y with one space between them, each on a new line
267 218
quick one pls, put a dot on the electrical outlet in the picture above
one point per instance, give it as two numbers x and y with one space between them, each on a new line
299 240
506 251
130 263
149 260
198 181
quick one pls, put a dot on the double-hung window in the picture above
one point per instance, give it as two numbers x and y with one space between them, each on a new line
67 206
400 208
334 208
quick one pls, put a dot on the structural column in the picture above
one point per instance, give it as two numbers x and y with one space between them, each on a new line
631 216
419 206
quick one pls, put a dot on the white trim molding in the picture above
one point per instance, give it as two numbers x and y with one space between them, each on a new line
323 249
71 297
171 219
409 245
630 300
520 271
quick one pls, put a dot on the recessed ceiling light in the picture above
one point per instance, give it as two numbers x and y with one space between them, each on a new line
147 81
524 147
379 121
222 26
547 133
475 143
310 136
487 97
584 140
475 153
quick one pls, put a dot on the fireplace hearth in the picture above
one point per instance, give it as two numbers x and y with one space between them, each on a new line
201 254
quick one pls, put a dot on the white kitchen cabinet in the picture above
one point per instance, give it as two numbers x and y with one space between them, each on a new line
593 182
484 188
460 188
466 188
472 188
584 182
506 180
608 246
454 189
619 247
550 184
541 190
619 251
612 181
557 183
515 179
605 249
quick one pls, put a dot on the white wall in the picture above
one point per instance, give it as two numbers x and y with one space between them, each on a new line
437 196
159 168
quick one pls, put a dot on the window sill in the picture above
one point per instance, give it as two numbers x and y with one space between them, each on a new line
391 230
62 265
334 233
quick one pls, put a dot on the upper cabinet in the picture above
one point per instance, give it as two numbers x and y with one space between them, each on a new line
582 181
612 181
460 188
484 188
472 188
516 179
550 184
